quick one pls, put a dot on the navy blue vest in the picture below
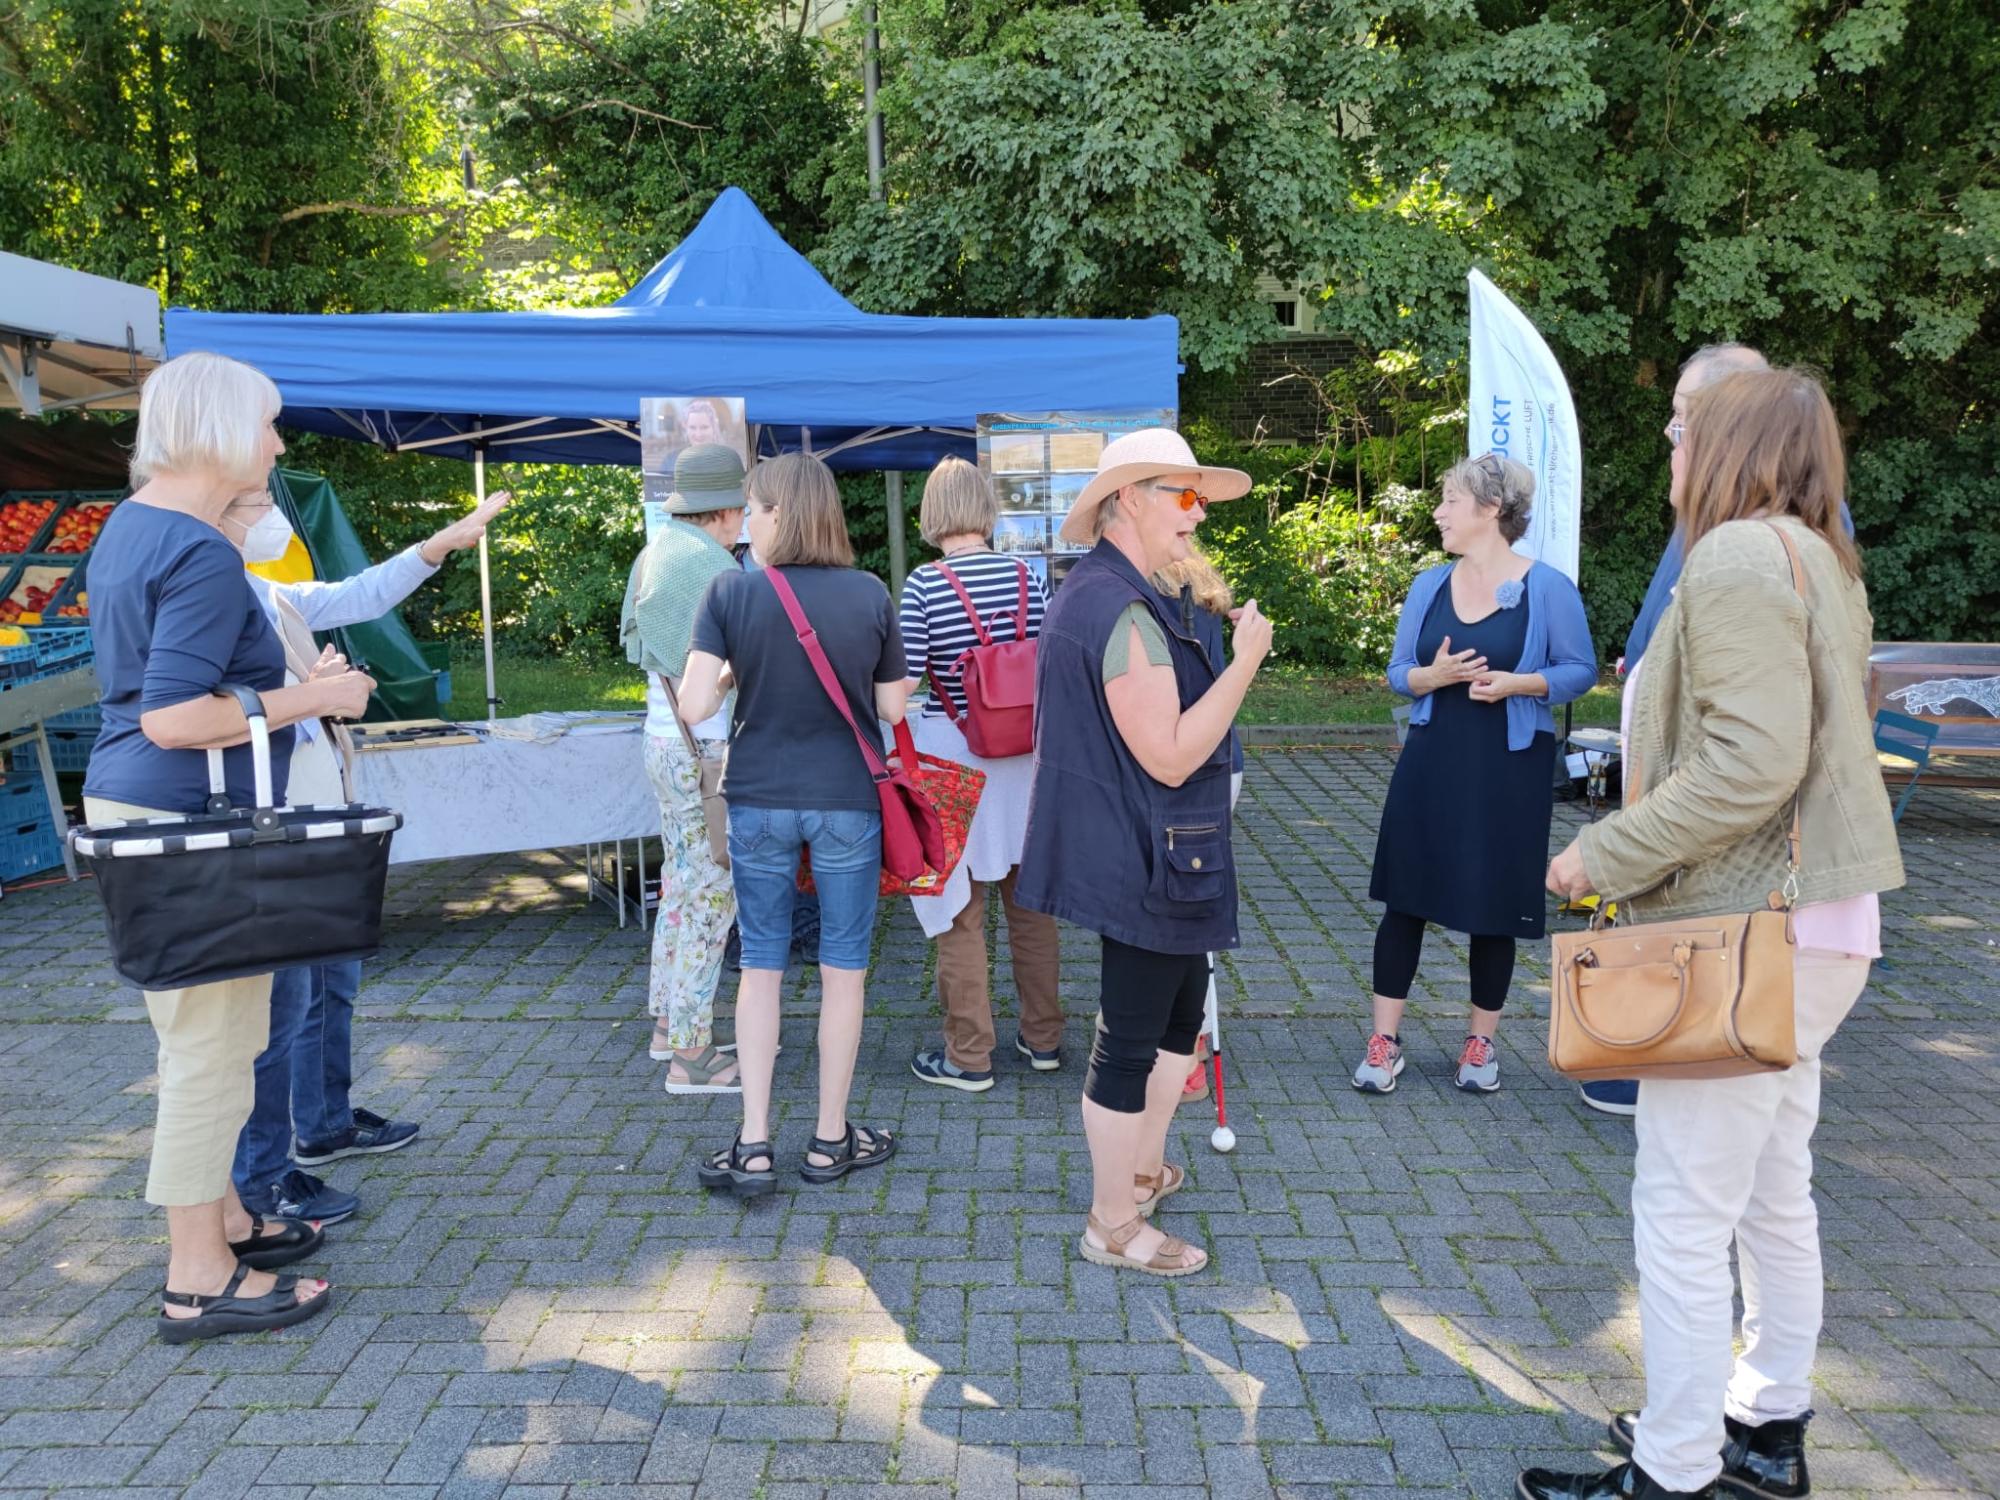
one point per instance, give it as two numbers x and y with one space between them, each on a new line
1109 848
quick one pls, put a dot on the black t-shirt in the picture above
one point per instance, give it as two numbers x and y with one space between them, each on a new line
788 745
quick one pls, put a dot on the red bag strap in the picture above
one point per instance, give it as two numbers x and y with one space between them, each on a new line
816 653
978 625
1021 611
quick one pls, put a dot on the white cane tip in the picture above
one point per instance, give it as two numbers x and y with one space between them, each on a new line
1224 1138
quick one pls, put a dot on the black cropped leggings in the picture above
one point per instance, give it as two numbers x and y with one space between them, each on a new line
1400 939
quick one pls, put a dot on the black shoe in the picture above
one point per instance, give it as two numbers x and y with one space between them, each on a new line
1626 1482
369 1135
1767 1462
295 1240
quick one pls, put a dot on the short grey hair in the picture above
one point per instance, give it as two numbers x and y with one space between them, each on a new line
1711 362
1497 483
204 414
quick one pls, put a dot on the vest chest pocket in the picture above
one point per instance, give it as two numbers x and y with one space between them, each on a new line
1197 862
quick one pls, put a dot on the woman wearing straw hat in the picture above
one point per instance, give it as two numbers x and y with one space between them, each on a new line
697 900
1128 830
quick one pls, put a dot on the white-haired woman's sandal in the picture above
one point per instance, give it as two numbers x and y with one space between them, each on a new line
701 1070
1174 1257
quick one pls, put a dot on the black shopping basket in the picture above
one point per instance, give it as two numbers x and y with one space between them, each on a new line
239 891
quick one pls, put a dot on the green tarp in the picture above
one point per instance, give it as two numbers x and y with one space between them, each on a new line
384 648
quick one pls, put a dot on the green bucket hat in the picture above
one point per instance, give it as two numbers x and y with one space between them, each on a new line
707 477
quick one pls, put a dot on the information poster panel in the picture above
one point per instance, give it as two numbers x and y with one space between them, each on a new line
1039 462
670 424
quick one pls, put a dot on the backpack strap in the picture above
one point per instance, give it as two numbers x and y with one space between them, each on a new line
823 669
978 625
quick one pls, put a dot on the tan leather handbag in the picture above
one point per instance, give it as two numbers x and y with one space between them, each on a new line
1708 997
714 811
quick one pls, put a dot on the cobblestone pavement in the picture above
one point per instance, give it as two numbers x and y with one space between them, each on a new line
1410 1296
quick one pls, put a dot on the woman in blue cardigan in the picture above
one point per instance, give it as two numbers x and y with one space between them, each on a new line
1487 646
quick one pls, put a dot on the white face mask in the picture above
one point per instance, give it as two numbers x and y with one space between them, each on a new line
268 540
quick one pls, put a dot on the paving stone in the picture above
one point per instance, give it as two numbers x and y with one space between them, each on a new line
1410 1297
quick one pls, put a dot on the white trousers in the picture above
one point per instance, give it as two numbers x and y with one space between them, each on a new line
1720 1159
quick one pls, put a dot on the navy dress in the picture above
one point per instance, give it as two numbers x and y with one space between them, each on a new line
1464 840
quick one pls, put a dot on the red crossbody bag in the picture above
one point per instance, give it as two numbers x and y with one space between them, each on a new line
915 850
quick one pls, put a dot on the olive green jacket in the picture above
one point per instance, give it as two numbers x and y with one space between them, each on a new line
1751 692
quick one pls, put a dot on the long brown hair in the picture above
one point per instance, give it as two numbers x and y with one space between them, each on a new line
1766 442
1195 572
812 532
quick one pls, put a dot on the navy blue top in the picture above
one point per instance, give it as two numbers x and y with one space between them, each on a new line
173 617
1108 847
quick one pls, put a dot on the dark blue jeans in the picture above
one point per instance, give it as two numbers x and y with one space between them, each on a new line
303 1074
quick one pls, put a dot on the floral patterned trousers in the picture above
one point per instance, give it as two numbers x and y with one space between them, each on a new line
697 901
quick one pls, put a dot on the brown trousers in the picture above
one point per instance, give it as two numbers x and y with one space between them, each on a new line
965 989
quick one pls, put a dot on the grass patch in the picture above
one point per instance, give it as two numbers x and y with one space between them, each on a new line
1282 694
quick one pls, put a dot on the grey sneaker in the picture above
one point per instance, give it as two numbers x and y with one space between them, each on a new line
1479 1066
934 1067
1381 1067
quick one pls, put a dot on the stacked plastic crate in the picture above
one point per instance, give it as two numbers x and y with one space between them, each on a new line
30 830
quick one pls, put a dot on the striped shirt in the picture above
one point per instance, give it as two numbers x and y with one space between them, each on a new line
936 629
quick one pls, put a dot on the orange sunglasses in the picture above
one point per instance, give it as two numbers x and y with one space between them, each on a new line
1185 498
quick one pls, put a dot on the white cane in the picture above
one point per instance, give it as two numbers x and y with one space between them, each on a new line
1224 1139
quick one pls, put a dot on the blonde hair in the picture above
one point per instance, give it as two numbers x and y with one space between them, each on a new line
957 499
204 414
812 533
1196 573
1766 442
1496 483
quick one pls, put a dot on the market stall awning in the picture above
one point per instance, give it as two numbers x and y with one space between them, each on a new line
732 311
69 339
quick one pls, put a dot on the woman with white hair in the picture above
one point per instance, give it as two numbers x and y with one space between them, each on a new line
174 619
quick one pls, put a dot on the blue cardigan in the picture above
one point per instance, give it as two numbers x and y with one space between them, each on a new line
1558 646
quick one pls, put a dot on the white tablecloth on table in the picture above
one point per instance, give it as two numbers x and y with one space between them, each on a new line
999 827
499 796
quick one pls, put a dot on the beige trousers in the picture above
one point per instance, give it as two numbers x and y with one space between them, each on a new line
964 984
209 1037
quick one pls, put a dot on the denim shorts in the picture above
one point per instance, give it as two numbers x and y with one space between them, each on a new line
846 844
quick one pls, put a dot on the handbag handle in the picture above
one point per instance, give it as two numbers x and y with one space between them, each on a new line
1683 956
260 758
1794 845
878 769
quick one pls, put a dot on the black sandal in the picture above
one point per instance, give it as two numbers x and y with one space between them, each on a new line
265 1252
848 1154
726 1169
225 1312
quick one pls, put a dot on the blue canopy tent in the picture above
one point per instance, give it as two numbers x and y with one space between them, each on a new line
733 310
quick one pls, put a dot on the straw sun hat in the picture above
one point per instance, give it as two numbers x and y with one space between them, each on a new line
1146 454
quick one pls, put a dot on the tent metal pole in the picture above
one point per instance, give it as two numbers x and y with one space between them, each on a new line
485 583
899 551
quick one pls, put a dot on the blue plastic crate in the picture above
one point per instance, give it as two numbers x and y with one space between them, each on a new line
69 750
58 648
90 716
30 839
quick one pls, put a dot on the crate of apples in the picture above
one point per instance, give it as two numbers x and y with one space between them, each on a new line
77 608
33 594
77 527
21 521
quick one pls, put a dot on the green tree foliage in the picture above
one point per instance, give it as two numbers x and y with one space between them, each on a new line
235 154
636 125
1816 178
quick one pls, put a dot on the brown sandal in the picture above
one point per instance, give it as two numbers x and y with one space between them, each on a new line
1174 1257
1170 1181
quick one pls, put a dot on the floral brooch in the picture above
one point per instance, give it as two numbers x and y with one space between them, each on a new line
1509 593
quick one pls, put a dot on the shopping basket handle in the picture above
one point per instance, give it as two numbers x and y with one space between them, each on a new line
260 755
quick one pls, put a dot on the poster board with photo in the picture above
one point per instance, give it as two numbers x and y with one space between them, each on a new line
670 424
1039 462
